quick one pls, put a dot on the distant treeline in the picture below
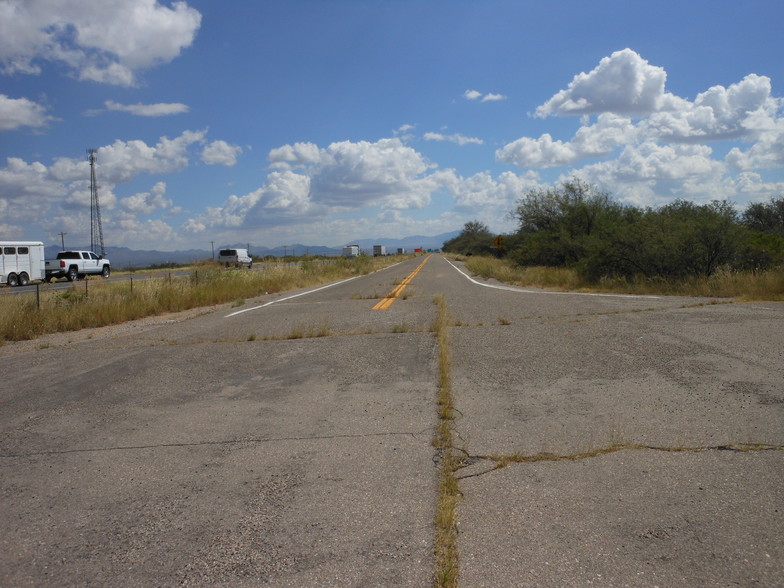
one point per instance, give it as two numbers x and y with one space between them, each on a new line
576 225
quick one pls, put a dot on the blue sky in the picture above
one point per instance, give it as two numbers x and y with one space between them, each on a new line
322 122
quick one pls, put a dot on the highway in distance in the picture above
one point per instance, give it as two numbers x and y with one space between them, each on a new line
288 441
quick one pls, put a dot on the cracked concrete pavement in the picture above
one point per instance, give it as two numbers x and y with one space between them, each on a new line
197 452
668 417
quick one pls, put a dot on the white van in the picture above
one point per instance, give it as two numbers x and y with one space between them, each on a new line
235 257
21 261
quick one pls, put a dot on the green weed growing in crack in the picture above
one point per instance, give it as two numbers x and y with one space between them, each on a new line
445 543
308 332
403 327
360 296
502 461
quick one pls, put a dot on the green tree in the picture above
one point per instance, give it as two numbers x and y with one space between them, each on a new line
556 225
575 224
765 217
764 244
679 239
474 239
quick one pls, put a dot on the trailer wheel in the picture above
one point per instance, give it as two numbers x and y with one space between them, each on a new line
24 279
12 280
72 274
106 271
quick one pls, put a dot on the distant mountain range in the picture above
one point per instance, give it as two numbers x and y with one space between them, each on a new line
122 257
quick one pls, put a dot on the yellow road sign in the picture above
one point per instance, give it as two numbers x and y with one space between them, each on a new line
499 241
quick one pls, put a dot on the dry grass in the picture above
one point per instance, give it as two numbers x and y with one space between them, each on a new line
725 283
96 303
445 545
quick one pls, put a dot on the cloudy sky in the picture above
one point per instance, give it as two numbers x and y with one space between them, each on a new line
315 122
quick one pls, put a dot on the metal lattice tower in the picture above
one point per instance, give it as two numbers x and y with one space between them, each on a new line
96 230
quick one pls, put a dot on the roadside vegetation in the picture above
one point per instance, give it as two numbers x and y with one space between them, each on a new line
575 237
96 303
445 542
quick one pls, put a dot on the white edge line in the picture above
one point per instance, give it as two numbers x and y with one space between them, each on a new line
290 297
512 289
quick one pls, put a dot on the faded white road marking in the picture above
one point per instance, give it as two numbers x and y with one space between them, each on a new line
523 291
290 297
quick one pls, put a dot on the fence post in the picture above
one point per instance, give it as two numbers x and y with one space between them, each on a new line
38 296
131 284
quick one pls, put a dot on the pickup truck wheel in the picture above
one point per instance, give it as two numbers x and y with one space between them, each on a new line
106 271
24 279
12 280
72 275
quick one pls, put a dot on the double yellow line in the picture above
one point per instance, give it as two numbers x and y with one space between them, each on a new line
390 298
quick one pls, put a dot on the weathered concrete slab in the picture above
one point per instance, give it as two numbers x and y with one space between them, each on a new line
632 518
281 463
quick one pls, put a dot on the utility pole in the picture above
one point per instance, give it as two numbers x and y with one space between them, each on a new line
213 249
96 230
62 239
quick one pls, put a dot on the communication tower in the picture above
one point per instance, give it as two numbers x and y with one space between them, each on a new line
96 230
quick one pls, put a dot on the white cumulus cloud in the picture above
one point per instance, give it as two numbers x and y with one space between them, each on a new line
220 152
657 146
307 182
123 160
106 42
354 174
21 112
623 83
147 202
599 139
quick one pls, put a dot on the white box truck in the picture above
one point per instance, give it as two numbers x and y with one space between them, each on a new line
351 251
379 250
21 262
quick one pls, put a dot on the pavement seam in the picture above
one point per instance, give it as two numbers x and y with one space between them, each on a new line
446 563
501 461
208 443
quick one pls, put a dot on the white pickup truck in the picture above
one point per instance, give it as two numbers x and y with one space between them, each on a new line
74 265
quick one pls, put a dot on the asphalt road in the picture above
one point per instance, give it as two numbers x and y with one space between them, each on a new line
287 442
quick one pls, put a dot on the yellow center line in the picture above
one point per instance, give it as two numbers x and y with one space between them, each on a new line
390 298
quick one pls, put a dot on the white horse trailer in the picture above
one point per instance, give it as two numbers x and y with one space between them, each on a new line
21 261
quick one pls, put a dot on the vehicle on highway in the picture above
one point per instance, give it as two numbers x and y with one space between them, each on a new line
235 257
21 262
351 251
75 265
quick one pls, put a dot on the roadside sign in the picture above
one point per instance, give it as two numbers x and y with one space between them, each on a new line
499 241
